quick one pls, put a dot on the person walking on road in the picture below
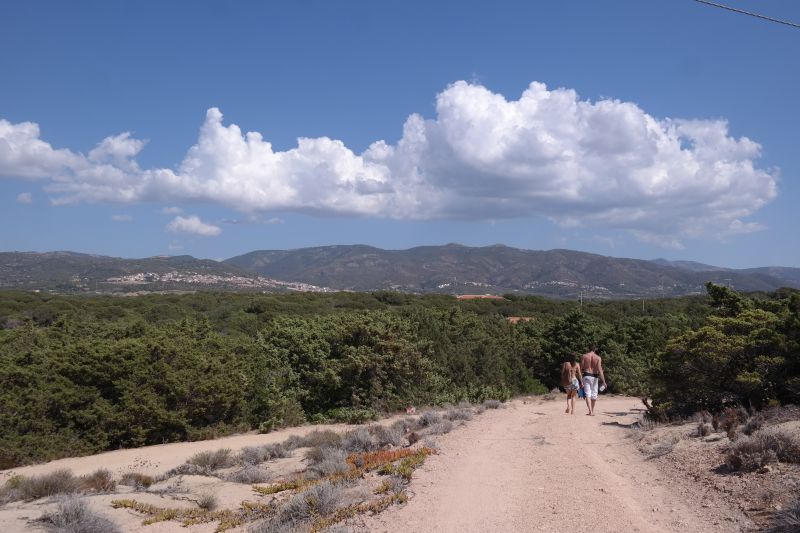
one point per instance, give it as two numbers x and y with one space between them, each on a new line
592 368
571 380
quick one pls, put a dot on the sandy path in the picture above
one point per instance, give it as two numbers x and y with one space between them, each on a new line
153 460
530 467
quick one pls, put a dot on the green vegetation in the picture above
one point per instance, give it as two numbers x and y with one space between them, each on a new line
81 374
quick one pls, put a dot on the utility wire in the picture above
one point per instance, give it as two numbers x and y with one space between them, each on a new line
750 13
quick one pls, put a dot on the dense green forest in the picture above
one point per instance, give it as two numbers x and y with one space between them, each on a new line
82 374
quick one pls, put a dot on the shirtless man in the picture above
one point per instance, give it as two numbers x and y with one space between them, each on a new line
592 367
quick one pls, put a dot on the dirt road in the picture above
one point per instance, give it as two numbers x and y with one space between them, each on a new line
524 467
530 467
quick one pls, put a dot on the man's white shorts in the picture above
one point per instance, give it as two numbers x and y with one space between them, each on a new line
590 387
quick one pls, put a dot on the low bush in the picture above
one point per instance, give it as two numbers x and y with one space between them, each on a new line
787 520
100 480
440 428
213 460
186 469
764 447
384 436
253 455
73 516
392 485
325 437
753 425
249 474
32 488
319 500
358 440
403 425
492 404
136 480
327 461
459 414
207 501
429 418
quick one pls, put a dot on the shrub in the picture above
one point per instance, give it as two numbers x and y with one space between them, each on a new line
492 404
403 425
249 474
253 455
392 485
207 501
319 500
324 498
73 516
753 425
186 469
325 437
327 461
213 460
762 448
429 418
440 428
136 480
100 480
358 440
459 414
386 436
60 481
788 520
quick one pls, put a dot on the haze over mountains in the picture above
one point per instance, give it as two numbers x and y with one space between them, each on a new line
452 268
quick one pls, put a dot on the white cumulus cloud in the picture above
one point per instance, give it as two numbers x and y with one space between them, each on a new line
193 224
548 153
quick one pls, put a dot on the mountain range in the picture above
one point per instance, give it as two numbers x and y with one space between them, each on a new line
451 268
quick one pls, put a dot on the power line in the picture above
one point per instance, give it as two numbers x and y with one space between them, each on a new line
750 13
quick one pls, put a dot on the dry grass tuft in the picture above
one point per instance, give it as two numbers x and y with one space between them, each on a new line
327 462
248 474
788 520
762 448
386 436
60 481
213 460
459 414
136 480
703 429
207 501
358 440
391 485
492 404
753 425
253 455
440 428
318 438
74 516
100 480
428 419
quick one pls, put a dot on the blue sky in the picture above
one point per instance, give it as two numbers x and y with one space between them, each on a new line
629 128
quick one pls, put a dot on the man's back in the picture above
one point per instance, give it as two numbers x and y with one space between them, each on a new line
590 362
